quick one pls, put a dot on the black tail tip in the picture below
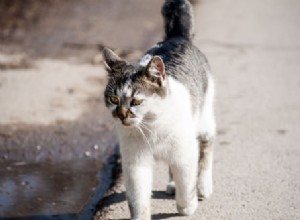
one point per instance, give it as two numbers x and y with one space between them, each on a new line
178 19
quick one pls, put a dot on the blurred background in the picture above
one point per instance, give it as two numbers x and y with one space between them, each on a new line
58 148
56 28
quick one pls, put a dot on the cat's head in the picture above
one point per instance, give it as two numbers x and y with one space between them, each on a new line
134 90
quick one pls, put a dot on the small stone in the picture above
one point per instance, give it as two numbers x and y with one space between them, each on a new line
87 154
24 183
38 147
71 91
96 147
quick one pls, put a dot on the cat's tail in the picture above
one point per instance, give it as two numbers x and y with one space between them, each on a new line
178 19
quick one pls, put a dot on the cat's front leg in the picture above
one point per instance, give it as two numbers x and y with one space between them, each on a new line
138 182
185 177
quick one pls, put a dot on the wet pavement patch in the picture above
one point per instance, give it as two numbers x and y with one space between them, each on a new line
48 190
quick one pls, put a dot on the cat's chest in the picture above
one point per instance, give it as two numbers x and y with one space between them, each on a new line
161 142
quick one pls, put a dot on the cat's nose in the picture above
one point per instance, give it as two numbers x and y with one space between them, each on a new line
122 113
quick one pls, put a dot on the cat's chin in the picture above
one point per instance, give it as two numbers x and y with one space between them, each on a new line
129 123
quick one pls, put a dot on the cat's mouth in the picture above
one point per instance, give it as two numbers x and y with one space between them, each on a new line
128 122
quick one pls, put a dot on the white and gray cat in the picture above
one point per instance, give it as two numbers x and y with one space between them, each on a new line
164 109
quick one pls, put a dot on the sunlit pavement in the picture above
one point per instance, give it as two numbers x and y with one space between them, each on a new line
254 51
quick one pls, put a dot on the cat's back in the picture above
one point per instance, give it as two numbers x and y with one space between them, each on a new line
179 54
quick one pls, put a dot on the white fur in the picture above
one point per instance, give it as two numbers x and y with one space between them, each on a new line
126 90
172 138
204 184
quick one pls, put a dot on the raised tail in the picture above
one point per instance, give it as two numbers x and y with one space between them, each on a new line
178 19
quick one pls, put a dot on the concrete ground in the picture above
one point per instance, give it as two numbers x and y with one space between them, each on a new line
254 50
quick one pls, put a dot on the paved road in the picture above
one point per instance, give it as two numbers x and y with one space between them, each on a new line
254 50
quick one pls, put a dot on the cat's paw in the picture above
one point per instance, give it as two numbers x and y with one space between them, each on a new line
189 209
170 190
204 187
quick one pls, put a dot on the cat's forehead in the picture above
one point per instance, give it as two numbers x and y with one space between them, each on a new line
125 89
131 69
127 81
130 89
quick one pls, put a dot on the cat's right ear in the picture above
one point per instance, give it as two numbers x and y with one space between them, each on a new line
156 70
113 62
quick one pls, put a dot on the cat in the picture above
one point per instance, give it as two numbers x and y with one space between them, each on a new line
163 106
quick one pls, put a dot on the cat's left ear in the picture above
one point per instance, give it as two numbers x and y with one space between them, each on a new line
113 61
156 69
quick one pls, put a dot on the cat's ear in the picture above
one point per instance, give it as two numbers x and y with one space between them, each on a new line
156 69
113 62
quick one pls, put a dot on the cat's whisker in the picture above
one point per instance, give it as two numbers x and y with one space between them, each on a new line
145 122
152 133
143 125
144 136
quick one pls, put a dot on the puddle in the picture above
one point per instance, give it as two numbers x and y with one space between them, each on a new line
48 190
57 171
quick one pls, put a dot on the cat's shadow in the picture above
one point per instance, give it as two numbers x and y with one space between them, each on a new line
158 216
158 194
121 197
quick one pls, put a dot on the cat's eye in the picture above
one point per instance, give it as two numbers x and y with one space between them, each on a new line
114 100
135 102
